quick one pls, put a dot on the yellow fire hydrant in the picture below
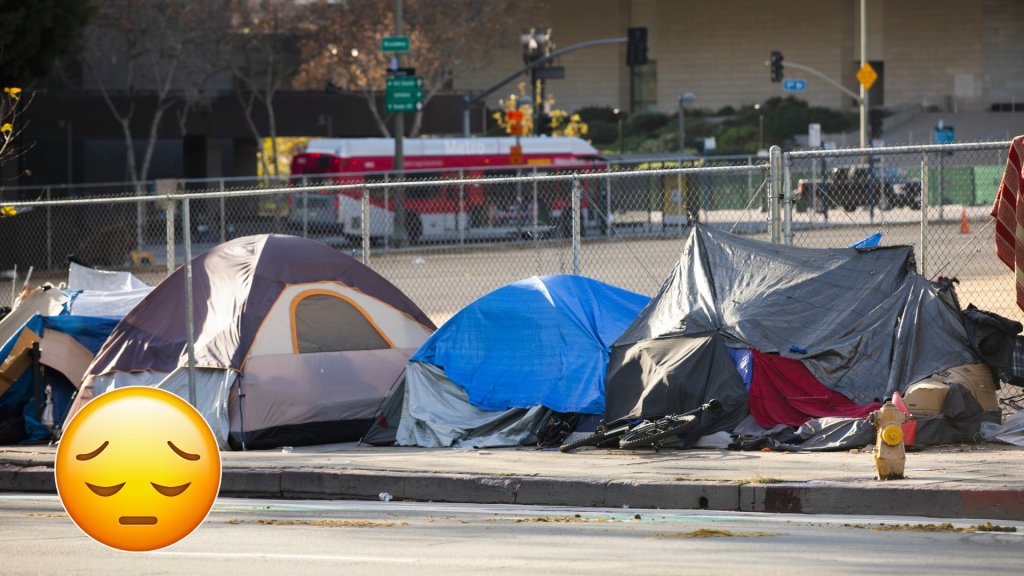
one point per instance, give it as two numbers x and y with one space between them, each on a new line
890 453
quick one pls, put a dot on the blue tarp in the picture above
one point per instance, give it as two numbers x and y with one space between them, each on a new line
543 340
90 331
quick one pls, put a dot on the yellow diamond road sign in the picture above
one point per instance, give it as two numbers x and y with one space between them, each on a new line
867 76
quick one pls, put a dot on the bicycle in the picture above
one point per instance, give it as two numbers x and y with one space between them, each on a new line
603 437
655 432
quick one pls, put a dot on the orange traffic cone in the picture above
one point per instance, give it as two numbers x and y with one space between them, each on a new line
965 226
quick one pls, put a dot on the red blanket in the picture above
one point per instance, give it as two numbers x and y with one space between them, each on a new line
1010 217
783 391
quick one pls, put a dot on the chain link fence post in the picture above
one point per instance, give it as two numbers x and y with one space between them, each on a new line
774 189
223 215
787 200
186 236
925 196
169 221
49 233
460 220
365 220
576 225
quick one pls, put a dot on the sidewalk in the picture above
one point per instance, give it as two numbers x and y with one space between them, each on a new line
983 481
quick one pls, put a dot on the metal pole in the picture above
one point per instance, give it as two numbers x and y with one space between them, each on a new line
576 225
787 201
223 216
682 130
608 202
49 234
863 60
399 164
536 210
401 234
366 226
465 116
169 209
186 226
462 221
305 208
924 212
750 180
942 187
387 202
774 190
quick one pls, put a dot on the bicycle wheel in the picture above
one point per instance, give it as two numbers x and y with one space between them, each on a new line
600 439
649 435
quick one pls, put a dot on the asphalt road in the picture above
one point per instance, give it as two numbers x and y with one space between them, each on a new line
257 537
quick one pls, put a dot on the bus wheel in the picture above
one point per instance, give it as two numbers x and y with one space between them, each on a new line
413 227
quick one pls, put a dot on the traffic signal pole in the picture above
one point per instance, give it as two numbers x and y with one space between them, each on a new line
468 102
862 99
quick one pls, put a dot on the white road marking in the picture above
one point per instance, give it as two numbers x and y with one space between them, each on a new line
269 556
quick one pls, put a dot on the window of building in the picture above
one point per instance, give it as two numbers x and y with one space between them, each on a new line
326 322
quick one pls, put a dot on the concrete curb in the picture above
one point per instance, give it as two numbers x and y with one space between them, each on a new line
806 498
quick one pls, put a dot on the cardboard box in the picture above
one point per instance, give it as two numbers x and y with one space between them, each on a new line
926 398
978 379
18 360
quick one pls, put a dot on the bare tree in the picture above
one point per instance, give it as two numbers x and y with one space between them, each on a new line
343 50
263 59
138 49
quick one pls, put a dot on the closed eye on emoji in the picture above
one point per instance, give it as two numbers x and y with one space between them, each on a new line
105 490
170 490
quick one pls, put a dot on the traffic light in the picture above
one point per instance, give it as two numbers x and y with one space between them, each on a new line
776 63
636 47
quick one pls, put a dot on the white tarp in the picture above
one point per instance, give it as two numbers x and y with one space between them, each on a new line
85 278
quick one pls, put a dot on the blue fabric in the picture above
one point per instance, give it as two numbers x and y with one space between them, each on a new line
744 361
543 340
90 331
870 242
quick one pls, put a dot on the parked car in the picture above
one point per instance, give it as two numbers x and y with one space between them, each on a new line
861 185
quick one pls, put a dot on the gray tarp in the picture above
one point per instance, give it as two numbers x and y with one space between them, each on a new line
437 413
868 322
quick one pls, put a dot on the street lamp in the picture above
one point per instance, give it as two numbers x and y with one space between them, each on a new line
760 126
683 98
619 116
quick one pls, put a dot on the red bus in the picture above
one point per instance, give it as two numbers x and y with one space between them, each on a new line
444 212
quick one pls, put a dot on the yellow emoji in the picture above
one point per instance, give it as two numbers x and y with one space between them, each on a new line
138 469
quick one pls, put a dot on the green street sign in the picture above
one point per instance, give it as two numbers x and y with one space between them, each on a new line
394 43
405 106
403 94
404 82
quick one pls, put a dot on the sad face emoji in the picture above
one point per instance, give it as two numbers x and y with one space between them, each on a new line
138 469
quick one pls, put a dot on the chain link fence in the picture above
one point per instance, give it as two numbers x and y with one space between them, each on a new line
447 238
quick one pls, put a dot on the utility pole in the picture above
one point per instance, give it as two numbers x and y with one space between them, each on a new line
400 233
863 60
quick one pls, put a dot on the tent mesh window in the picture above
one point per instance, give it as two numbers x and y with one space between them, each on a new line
327 323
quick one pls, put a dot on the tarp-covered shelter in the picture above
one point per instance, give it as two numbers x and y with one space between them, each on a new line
312 338
505 361
68 327
861 321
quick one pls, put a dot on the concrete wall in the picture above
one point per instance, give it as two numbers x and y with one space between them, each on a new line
965 53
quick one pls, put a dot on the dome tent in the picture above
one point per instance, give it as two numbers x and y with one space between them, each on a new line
295 342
